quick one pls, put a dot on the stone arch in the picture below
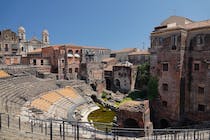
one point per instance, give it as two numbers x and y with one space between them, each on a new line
164 123
130 123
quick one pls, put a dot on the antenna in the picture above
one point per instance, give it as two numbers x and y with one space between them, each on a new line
143 45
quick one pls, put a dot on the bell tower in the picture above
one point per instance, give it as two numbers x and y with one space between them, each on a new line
45 37
21 34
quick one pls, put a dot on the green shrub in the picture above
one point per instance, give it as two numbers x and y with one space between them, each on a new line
103 95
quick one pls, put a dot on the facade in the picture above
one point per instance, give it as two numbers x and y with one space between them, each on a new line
120 77
8 46
64 60
180 60
69 62
35 58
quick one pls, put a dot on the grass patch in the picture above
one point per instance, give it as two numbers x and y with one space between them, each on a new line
102 115
117 104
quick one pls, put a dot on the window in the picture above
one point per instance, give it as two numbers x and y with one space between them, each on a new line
174 42
165 87
201 90
42 62
0 47
200 40
34 61
164 103
70 70
22 49
77 51
201 107
62 61
76 70
6 48
113 55
165 67
196 67
63 70
70 53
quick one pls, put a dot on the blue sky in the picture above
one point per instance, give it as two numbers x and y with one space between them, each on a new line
113 24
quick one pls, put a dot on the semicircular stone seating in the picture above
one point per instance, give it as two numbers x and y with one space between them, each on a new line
56 103
3 74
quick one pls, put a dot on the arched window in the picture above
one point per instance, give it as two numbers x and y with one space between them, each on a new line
77 51
76 70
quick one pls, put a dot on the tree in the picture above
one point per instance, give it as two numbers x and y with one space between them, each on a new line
142 77
152 88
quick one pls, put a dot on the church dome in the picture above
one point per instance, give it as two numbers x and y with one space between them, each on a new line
21 28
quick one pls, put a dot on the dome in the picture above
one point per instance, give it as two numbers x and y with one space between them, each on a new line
45 31
21 28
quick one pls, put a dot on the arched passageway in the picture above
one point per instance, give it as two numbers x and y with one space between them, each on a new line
130 123
164 123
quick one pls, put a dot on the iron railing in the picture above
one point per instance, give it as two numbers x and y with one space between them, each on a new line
71 130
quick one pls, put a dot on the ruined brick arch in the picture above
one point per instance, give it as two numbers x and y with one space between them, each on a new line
164 123
132 123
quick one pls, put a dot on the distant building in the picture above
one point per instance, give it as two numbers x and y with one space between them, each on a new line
13 46
139 57
91 67
180 59
73 62
122 55
120 77
64 60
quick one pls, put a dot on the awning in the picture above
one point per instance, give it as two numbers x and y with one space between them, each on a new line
70 55
77 55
